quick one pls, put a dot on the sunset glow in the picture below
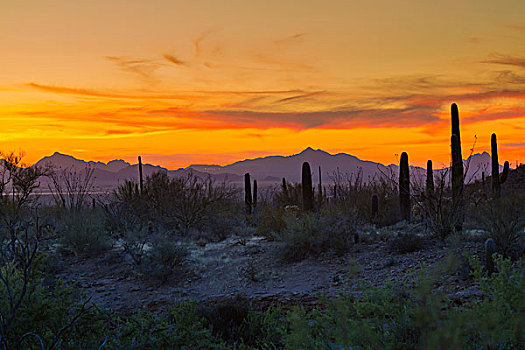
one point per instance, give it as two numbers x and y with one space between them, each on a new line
184 82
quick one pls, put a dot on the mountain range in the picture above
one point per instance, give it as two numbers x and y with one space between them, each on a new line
269 169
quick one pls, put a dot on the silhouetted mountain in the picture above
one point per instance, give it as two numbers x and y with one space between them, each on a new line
274 168
265 169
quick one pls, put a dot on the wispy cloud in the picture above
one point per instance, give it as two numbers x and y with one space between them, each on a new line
155 95
509 60
403 117
99 93
174 60
290 39
399 102
140 67
301 96
198 41
509 77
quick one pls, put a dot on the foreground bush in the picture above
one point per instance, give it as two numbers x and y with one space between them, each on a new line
315 233
157 255
398 317
83 234
503 220
393 317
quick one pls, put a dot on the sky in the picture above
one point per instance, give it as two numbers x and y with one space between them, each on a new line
208 81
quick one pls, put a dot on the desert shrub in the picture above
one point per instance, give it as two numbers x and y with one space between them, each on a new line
181 327
241 326
272 220
164 257
406 243
226 317
37 311
180 204
70 188
186 202
498 316
441 215
154 252
400 317
136 241
292 195
378 320
313 234
124 209
222 221
83 234
350 192
264 329
51 314
503 220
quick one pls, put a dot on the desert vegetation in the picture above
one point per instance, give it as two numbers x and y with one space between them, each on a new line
433 264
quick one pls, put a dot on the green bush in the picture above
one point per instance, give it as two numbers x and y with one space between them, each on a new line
83 234
179 328
272 220
155 254
49 313
399 317
164 257
313 234
503 220
235 321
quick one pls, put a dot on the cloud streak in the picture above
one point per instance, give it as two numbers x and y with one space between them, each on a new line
174 60
419 101
142 68
508 60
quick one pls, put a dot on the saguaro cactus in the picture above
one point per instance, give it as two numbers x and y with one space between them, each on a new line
454 114
254 193
497 180
457 159
490 249
247 193
404 187
320 188
430 180
141 182
284 186
308 197
375 206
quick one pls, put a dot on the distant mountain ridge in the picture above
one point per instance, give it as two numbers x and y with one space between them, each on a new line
264 169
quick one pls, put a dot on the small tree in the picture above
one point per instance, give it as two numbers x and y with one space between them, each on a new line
71 188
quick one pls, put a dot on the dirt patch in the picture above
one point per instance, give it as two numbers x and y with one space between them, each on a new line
250 268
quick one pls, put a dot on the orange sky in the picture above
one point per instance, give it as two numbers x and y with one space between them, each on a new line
184 82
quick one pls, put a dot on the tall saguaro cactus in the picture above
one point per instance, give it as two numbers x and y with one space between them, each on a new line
141 181
247 193
497 180
454 116
457 159
430 180
404 187
320 188
254 193
308 196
